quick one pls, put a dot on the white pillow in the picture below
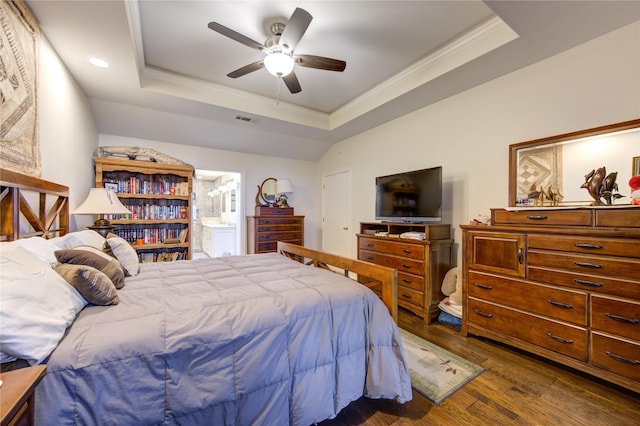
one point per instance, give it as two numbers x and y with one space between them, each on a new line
85 237
126 254
40 247
37 305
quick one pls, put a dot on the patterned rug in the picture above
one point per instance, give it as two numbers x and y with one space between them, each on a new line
435 372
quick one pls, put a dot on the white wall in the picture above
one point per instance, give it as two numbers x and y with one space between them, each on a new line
255 169
68 134
594 84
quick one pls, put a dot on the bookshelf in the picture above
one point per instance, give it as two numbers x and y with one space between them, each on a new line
159 198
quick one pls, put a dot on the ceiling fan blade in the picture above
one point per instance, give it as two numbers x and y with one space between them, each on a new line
294 29
234 35
292 82
319 62
246 69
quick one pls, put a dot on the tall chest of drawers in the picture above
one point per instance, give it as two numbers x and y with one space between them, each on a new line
563 284
421 264
264 230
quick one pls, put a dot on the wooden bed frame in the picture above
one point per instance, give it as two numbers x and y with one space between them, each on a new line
368 274
17 194
17 190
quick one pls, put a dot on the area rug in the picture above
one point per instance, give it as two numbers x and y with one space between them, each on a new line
435 372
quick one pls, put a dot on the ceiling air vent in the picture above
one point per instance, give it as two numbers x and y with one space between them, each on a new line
244 118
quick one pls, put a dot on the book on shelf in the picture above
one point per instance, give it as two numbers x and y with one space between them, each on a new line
183 235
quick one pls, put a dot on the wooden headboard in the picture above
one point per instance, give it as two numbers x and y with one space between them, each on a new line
18 193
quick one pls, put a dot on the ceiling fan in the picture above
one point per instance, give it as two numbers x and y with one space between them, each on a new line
280 59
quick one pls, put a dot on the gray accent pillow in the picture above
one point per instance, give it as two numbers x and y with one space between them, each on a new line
93 285
89 256
121 249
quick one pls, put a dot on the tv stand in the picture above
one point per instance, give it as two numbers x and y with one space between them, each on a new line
421 263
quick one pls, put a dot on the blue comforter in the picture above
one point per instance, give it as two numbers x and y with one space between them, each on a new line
256 339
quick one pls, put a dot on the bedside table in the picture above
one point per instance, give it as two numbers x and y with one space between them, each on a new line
16 394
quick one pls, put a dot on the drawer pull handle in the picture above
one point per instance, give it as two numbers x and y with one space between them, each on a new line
560 339
588 246
560 305
623 359
404 265
369 245
591 283
484 287
520 257
404 280
405 250
483 314
622 319
588 265
537 217
369 257
407 296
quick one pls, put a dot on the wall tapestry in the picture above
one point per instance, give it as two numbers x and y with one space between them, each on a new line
19 51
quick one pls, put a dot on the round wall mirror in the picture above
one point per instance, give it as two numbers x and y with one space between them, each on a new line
266 195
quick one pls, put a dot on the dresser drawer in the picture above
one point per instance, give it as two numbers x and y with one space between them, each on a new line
415 282
616 316
557 303
270 246
601 284
412 251
278 220
553 335
618 356
594 265
586 245
542 217
278 235
401 264
278 227
407 295
627 218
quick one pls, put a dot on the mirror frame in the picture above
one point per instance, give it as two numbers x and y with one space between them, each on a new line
596 131
260 200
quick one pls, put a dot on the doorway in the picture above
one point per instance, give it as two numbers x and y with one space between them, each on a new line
216 213
336 212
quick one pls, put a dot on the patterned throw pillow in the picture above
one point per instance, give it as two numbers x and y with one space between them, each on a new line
93 285
89 256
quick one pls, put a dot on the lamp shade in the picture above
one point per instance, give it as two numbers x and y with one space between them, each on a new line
279 64
101 201
283 186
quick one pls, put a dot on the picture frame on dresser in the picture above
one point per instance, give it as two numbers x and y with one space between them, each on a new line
635 166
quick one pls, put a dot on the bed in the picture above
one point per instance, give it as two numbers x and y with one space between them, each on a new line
278 338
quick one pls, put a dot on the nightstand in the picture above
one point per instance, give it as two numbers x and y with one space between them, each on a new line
17 394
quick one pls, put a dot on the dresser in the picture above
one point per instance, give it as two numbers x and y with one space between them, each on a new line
421 263
273 224
563 284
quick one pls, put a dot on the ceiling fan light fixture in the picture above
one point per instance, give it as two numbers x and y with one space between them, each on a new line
279 64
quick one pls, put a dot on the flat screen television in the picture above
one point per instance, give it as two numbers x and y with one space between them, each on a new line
412 197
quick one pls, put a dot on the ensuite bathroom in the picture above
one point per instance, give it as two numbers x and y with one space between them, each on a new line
216 214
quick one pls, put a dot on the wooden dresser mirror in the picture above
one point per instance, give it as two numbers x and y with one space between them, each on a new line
561 163
266 195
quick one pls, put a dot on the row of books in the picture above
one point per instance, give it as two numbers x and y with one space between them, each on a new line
152 235
167 256
134 185
152 211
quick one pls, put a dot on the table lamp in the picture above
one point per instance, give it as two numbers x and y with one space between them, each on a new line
283 187
101 201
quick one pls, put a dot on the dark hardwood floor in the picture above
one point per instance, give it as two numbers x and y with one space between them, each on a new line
516 388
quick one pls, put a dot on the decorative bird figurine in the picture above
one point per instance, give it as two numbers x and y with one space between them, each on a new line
601 186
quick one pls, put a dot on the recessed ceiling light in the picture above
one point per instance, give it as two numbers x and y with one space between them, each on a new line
100 63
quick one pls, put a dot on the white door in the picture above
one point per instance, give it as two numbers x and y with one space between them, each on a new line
336 211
